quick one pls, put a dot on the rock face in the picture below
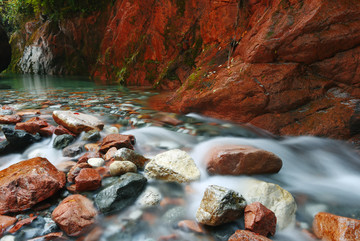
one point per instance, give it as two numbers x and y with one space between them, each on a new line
331 227
244 235
5 50
236 160
288 67
121 193
275 198
77 122
173 166
75 215
259 219
220 205
28 182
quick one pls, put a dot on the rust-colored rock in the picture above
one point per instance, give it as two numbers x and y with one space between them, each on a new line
191 226
244 235
93 147
110 153
28 182
21 223
75 170
87 180
237 160
9 119
65 166
259 219
77 122
88 155
5 222
60 130
330 227
59 236
75 215
32 126
118 141
47 131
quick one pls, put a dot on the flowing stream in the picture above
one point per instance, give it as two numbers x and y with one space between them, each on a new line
322 174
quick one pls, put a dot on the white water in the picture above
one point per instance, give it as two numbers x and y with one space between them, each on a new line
324 174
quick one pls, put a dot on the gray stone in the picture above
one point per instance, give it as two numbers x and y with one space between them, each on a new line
120 193
17 140
220 205
62 141
150 198
74 149
174 166
173 216
91 136
275 198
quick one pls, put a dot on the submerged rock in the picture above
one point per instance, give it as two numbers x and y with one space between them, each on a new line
75 215
331 227
173 166
62 141
73 150
26 183
150 198
220 205
77 122
259 219
275 198
126 154
118 141
244 235
237 160
121 193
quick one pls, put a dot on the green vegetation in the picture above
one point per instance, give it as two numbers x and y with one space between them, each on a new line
15 12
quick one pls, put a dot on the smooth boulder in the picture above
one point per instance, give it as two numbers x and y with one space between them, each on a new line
75 215
173 166
77 122
220 205
237 160
275 198
121 193
26 183
331 227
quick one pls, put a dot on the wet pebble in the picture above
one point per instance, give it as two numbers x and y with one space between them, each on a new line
96 162
118 168
62 141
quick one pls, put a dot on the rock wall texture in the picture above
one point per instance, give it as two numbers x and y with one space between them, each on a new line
288 66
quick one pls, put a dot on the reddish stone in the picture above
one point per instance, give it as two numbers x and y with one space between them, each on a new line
118 141
87 180
94 235
331 227
103 171
236 160
92 147
60 130
28 182
28 112
6 221
244 235
169 237
59 236
172 201
75 215
9 119
47 131
110 153
65 166
88 155
192 226
32 126
75 170
260 219
21 223
167 119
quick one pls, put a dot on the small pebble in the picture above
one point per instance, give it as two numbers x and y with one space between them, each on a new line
121 167
96 162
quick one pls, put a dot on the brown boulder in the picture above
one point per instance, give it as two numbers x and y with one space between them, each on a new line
236 160
28 182
9 119
77 122
244 235
32 126
75 170
260 219
331 227
75 215
118 141
88 179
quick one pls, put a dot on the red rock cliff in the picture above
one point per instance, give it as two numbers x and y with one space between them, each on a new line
288 66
